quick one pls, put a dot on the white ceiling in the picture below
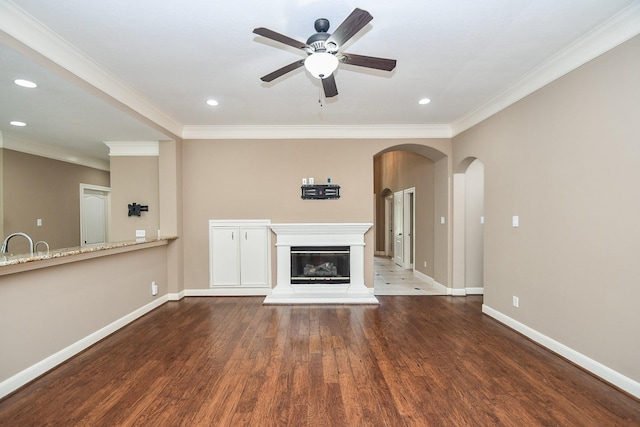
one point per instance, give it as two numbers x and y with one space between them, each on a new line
162 59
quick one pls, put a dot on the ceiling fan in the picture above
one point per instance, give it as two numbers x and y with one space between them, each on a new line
323 51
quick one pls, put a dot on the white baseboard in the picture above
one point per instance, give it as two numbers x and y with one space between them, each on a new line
227 292
613 377
34 371
448 291
176 296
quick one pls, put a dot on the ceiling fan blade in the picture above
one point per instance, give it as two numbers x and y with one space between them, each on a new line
270 34
329 86
281 71
350 26
368 61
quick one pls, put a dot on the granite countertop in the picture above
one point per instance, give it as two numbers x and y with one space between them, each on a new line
76 250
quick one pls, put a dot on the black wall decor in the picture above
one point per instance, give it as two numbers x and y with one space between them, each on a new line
320 191
136 209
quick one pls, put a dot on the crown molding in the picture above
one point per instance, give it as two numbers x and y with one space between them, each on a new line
28 146
133 148
605 37
28 31
317 132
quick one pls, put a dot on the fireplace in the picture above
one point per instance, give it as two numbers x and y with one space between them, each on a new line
320 264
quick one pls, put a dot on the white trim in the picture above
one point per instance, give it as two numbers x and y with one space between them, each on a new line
24 28
475 291
227 292
408 131
603 38
176 296
24 145
34 371
133 148
617 379
439 287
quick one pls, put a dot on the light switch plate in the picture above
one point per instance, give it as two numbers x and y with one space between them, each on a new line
515 221
140 233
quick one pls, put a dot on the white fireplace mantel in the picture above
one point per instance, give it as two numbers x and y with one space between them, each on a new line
320 234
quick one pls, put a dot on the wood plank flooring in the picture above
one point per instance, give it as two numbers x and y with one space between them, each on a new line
411 361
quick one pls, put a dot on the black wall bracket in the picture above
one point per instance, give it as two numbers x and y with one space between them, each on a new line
136 209
322 191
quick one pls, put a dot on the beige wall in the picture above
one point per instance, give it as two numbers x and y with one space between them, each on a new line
566 160
401 170
38 187
473 228
260 179
43 311
134 179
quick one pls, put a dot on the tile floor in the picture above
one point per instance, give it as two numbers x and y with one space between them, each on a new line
391 279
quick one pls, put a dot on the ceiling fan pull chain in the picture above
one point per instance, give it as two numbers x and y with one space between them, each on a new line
320 97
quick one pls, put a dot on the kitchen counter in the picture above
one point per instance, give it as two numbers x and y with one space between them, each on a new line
17 263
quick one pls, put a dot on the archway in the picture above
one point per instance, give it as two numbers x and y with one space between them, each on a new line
421 175
468 226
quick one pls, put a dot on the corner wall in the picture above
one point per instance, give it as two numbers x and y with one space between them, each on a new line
566 160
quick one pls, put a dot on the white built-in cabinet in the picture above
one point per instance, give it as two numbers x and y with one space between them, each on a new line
239 253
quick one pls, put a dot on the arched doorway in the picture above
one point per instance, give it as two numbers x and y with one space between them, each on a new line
416 177
468 226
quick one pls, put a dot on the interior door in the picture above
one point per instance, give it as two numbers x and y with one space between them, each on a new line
388 223
94 215
408 227
398 220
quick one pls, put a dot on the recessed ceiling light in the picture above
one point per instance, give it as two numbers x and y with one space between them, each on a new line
17 123
25 83
424 101
212 102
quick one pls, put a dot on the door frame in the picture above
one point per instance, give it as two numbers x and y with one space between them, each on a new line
408 227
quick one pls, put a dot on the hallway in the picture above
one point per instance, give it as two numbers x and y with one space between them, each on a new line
391 279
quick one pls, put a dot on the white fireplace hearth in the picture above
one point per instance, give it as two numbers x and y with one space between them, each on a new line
320 235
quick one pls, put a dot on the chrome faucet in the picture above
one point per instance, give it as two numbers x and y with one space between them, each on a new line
5 244
35 246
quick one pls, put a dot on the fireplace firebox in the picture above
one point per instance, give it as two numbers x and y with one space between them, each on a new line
320 264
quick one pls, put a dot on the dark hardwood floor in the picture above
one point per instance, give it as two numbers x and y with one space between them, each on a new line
411 361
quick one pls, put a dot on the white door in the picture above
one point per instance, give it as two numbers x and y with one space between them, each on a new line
225 256
398 247
388 221
253 256
408 227
94 211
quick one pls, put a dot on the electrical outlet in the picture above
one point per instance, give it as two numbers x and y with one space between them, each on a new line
154 288
425 263
516 302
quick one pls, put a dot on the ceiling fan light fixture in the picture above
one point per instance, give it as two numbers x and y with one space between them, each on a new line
321 64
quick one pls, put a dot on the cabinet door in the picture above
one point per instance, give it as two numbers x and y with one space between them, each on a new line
253 256
225 256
